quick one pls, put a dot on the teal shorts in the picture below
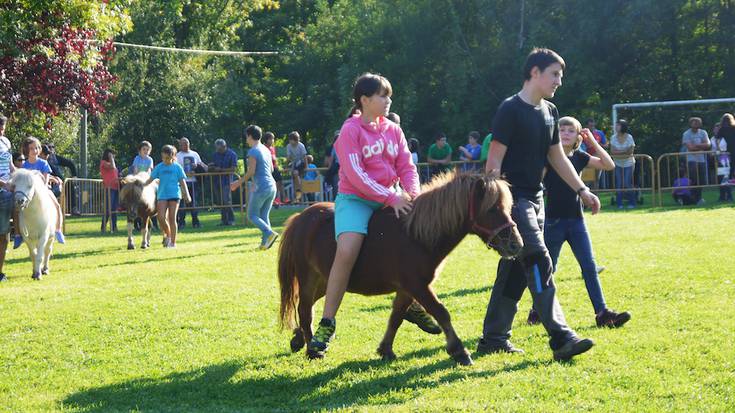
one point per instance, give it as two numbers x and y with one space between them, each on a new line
352 214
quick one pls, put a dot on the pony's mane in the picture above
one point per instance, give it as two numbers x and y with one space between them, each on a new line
443 206
27 175
131 191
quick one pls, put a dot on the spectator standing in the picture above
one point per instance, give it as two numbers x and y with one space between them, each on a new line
727 132
190 160
57 164
296 154
622 146
722 163
696 140
263 188
268 140
225 163
601 139
18 159
111 183
440 154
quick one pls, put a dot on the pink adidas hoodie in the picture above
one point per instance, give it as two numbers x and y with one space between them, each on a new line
372 158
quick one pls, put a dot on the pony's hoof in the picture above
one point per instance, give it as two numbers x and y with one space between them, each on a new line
36 277
386 354
297 342
463 358
131 246
45 271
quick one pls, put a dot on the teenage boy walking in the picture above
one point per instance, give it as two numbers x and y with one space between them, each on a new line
525 139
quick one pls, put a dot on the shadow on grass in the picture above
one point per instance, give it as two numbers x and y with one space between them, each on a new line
215 388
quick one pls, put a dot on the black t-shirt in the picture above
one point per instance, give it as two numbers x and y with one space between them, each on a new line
561 200
528 131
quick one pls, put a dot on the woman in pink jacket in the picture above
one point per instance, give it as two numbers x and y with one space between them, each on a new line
374 157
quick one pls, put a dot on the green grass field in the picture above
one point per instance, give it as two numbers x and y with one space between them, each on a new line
195 329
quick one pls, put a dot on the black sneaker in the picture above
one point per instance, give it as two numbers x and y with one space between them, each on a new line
417 314
533 318
507 347
572 348
611 319
3 277
320 341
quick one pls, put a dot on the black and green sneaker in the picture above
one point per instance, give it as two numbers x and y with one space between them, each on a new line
417 315
320 342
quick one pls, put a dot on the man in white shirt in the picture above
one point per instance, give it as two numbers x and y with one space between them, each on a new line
695 139
191 162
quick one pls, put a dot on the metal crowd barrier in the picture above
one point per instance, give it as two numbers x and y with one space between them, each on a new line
671 165
87 197
605 182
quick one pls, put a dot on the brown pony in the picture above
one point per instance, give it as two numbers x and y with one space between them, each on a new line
397 255
139 200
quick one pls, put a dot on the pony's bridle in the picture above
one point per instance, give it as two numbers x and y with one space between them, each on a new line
24 194
478 229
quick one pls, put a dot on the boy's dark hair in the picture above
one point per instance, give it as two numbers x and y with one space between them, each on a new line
16 156
144 143
45 150
269 136
623 125
475 134
254 132
440 135
541 58
3 120
294 136
393 117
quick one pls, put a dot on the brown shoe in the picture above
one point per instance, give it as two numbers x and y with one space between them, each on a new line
611 319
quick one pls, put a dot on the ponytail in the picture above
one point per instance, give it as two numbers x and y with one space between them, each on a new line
353 111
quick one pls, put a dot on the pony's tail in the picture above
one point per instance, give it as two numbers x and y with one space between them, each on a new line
287 256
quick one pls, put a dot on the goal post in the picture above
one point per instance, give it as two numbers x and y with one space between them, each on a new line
635 105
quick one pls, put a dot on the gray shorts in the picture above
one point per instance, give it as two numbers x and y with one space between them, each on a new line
6 210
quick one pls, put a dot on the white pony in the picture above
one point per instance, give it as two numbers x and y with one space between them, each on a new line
37 216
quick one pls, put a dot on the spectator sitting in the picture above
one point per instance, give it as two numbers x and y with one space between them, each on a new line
295 154
311 173
683 195
440 154
696 140
471 151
